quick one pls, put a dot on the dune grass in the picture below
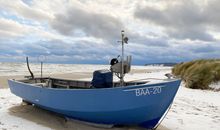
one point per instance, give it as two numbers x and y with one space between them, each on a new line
198 74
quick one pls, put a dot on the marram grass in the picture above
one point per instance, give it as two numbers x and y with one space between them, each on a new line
198 74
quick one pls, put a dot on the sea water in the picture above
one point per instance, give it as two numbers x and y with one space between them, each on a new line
8 69
12 69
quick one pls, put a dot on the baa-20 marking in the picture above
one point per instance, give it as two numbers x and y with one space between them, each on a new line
147 90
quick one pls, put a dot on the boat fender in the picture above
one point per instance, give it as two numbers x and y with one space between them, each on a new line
114 61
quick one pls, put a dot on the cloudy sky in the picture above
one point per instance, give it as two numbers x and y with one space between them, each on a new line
87 31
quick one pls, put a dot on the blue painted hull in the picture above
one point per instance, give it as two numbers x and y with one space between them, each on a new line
132 105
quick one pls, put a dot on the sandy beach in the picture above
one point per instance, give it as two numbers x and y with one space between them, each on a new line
192 109
161 41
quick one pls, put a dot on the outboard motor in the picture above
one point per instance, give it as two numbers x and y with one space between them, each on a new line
102 79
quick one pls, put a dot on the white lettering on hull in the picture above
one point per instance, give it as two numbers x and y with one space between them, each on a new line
147 90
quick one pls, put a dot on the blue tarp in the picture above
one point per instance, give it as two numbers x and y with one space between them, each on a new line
102 79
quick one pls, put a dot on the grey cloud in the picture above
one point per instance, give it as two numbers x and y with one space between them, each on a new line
32 49
149 41
10 28
150 54
7 48
205 49
92 24
22 9
91 52
84 50
184 20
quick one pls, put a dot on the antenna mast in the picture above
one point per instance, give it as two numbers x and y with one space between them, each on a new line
123 40
122 59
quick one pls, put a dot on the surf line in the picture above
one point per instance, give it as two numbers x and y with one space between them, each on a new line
147 90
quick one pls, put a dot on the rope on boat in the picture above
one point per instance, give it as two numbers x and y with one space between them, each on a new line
160 121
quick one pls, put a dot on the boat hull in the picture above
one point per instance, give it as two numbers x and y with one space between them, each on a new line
132 105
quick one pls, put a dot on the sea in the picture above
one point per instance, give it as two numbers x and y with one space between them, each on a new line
8 69
13 69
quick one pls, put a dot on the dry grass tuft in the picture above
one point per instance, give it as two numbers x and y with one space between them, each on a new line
198 74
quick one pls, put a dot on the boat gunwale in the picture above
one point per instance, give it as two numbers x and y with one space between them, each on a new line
95 89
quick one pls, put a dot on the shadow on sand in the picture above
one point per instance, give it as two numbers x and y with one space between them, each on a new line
57 122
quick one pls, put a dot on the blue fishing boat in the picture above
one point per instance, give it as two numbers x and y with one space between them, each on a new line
101 100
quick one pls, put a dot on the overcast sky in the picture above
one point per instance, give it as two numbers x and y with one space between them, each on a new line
87 31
